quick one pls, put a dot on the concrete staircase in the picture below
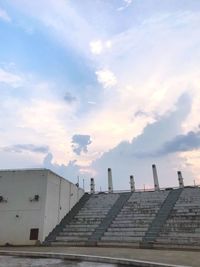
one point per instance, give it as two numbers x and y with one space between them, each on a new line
100 230
166 218
182 228
81 227
66 220
160 219
132 222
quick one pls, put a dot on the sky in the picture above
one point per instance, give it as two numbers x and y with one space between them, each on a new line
88 85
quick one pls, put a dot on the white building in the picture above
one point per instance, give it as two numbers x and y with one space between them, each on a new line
32 203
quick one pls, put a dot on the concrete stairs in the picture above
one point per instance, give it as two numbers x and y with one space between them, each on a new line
101 229
132 222
182 228
160 219
82 226
66 220
166 218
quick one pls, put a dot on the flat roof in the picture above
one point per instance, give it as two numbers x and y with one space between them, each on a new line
37 169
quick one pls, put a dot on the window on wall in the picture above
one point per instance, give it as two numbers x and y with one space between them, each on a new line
34 232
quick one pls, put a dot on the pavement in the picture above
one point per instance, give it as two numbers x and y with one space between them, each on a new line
176 257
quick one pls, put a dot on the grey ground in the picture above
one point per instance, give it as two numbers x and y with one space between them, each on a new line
8 261
189 258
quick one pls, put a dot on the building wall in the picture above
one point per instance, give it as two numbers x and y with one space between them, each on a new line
19 214
56 207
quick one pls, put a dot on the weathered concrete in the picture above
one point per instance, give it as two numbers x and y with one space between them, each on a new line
183 225
87 219
85 259
136 216
174 226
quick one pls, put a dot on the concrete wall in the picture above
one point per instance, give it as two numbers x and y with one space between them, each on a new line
19 214
56 207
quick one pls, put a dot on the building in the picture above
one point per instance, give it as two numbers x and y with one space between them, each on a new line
32 203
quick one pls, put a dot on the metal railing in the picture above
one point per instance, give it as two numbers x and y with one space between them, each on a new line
144 190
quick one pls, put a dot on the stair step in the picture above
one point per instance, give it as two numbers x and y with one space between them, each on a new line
162 215
68 217
71 238
68 243
113 212
75 233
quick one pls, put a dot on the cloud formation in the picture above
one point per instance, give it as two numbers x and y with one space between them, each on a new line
126 4
80 143
69 98
19 148
181 143
69 171
106 78
137 156
98 46
4 15
125 69
10 78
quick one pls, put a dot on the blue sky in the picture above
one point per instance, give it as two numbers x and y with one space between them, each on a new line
87 85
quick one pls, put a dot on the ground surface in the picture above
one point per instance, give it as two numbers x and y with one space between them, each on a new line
188 258
6 261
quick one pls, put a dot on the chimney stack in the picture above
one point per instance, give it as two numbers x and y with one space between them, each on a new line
92 186
110 184
180 179
155 178
132 183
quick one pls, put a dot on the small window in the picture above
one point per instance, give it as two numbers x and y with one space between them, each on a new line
34 234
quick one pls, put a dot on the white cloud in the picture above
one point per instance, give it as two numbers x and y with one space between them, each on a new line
192 163
135 156
152 64
126 3
96 47
106 78
50 120
92 102
108 44
10 78
61 20
36 115
4 15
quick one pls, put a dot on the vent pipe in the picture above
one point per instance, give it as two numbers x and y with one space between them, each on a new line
180 179
132 183
155 178
110 183
92 186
